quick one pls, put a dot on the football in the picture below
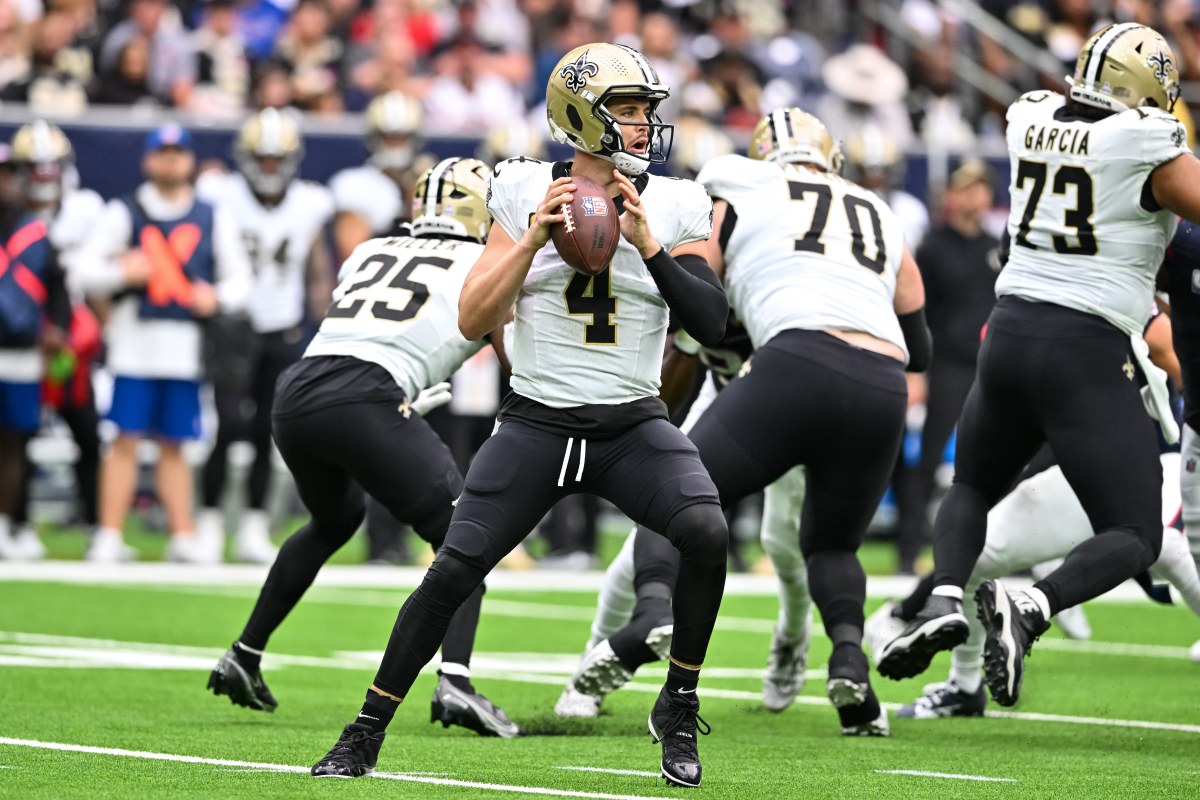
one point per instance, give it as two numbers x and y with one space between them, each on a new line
588 236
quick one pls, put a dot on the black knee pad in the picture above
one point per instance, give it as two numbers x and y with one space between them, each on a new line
700 532
451 578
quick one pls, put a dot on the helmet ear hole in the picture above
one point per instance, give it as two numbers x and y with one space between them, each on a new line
574 118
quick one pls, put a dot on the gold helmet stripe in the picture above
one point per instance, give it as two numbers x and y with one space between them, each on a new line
1095 62
433 185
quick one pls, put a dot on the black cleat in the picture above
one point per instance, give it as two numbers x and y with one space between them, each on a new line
945 700
243 687
454 706
939 626
674 722
849 690
1013 623
353 756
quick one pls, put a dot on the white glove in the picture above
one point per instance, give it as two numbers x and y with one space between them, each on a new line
435 396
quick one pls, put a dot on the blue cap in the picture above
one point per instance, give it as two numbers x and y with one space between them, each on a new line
169 135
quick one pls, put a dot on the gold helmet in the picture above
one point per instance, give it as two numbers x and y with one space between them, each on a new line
270 137
577 94
510 140
42 154
792 136
450 199
699 142
1126 66
871 156
393 130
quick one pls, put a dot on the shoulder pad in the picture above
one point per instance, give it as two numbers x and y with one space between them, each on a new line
512 170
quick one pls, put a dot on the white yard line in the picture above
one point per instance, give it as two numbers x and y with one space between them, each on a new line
366 576
920 774
606 771
252 765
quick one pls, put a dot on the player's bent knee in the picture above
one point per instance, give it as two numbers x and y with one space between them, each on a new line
451 578
700 532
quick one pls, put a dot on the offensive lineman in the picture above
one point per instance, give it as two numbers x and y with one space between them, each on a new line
344 418
282 223
1095 177
584 415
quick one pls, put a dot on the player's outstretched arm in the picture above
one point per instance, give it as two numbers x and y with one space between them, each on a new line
491 288
1176 186
683 276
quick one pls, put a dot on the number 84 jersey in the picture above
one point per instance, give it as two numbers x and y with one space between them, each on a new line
805 250
396 305
1084 230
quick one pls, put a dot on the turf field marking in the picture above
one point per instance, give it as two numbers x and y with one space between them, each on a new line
638 772
920 774
392 776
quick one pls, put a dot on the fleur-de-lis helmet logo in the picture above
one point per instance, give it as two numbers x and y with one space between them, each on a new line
1161 63
577 73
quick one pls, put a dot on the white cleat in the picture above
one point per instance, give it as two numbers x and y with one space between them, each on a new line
881 628
784 676
108 548
574 704
191 549
25 545
600 672
1194 653
253 543
1074 623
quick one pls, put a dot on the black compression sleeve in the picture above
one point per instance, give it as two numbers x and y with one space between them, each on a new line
918 338
693 294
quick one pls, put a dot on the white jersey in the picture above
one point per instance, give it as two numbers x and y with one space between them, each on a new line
1080 236
278 241
366 191
79 210
810 250
583 340
396 305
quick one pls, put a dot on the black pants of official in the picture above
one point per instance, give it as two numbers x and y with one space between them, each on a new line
244 415
334 450
949 381
651 472
1049 374
84 423
810 398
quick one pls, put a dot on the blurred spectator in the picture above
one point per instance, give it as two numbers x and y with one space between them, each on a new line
959 263
129 82
865 86
792 63
729 91
660 45
14 45
222 69
570 31
259 23
500 28
168 261
939 111
312 56
172 64
1074 23
272 86
387 65
466 97
57 73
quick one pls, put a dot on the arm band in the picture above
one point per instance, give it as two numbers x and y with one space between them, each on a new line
692 293
918 339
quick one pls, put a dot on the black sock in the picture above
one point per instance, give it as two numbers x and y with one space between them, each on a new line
461 682
250 660
460 636
377 712
682 679
908 608
653 610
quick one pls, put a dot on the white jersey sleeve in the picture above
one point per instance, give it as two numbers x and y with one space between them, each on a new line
693 221
1085 233
809 250
396 305
369 193
80 209
507 190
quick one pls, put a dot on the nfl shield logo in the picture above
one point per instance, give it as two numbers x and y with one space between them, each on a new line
594 207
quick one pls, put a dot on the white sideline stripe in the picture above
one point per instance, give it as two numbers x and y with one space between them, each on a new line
393 776
921 774
368 576
641 773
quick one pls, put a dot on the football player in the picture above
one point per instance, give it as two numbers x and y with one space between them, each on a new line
1096 177
282 222
348 414
584 415
372 199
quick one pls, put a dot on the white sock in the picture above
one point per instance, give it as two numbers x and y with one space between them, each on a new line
109 532
450 668
953 592
1043 602
966 678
